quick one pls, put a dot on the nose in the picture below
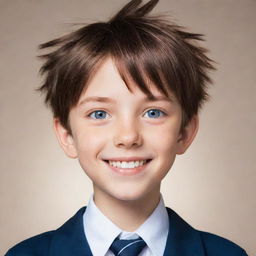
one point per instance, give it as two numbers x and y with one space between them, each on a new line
127 135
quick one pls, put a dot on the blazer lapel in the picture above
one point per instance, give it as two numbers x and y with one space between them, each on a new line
182 240
70 239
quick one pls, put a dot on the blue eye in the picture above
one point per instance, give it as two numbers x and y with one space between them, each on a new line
155 113
98 114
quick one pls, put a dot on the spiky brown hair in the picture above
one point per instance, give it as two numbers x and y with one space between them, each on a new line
166 55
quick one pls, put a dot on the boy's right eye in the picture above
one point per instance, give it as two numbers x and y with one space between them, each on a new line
98 114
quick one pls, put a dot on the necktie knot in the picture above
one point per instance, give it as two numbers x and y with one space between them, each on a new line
123 247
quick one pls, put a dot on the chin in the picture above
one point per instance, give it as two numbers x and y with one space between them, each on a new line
129 195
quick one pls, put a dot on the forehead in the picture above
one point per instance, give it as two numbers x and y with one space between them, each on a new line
107 81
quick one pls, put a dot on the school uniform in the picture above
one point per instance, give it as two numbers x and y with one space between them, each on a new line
90 233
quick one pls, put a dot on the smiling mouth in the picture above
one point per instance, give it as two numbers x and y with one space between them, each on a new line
128 168
127 164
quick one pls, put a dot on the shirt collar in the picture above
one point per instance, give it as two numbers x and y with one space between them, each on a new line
100 232
153 231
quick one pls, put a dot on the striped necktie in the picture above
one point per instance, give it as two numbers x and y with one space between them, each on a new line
122 247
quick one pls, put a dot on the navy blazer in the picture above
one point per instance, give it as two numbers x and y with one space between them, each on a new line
70 240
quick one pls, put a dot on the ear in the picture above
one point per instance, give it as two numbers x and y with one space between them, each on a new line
65 139
187 135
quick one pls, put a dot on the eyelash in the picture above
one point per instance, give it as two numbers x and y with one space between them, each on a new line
162 113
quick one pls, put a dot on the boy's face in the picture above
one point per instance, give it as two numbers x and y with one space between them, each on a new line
124 125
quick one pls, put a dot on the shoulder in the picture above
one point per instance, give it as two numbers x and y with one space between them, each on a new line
199 242
216 245
44 244
37 245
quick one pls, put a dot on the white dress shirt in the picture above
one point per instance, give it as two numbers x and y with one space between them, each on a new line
100 232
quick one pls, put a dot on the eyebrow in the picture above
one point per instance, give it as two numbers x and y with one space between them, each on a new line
109 100
96 99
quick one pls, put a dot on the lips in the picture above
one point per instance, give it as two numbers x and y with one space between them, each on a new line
127 166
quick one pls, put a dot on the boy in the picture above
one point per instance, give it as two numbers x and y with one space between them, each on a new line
125 95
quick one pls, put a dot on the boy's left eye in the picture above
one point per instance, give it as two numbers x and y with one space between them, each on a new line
155 113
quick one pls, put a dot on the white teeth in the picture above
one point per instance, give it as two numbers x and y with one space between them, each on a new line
127 165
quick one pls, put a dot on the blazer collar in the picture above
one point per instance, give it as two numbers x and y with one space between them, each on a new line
70 238
182 240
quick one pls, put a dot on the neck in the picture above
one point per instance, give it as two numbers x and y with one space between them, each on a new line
128 215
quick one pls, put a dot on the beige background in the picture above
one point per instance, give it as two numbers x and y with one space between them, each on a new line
212 186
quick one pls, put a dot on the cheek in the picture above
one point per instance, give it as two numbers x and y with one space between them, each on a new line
165 138
164 142
89 142
89 145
